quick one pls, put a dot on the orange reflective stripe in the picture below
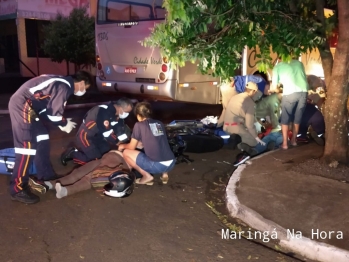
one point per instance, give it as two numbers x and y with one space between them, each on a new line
26 164
85 137
94 123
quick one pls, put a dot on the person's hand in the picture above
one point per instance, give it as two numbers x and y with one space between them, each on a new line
69 126
259 141
121 147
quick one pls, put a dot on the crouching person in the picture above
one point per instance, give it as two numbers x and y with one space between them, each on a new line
312 117
94 173
239 118
158 157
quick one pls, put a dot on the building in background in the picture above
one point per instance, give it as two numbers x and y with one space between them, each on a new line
21 23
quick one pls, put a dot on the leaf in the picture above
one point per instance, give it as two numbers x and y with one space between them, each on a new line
250 27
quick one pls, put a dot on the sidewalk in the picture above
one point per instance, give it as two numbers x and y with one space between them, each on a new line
271 198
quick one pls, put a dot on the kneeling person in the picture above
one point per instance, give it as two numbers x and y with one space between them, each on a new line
99 126
239 117
158 157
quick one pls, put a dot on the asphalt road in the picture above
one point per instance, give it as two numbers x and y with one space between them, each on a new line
156 223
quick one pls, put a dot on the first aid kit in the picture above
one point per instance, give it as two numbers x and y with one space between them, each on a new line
7 162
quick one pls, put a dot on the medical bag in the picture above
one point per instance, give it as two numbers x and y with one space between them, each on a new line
7 162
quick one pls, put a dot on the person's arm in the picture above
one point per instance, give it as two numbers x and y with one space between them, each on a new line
250 119
275 81
221 119
55 107
132 145
274 116
135 138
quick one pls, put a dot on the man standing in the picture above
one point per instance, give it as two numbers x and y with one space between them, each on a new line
100 125
43 97
295 89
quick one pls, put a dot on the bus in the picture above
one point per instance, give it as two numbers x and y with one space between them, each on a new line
125 66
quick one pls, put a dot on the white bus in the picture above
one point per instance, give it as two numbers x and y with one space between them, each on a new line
125 66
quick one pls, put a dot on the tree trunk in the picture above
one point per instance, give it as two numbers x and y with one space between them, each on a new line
325 52
67 63
336 112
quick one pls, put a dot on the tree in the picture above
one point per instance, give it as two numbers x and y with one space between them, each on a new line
71 39
213 34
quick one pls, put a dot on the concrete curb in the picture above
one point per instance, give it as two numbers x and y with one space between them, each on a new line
305 247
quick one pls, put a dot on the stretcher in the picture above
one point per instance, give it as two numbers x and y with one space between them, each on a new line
7 162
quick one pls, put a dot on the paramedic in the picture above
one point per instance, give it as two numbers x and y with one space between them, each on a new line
41 98
237 85
100 125
239 117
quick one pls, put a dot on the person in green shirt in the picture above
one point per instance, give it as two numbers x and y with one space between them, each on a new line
295 90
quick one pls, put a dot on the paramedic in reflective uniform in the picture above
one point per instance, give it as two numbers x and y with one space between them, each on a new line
239 117
100 126
43 97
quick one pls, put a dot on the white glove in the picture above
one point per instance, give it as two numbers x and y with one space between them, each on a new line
260 141
69 126
258 127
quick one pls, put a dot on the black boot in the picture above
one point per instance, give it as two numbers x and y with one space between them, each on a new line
25 196
319 139
67 156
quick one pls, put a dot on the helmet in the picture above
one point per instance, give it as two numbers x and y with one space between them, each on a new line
121 184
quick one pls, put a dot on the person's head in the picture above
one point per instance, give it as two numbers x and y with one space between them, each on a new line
251 88
123 107
82 81
262 75
143 111
315 82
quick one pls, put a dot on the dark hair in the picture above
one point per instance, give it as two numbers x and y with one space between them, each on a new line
143 109
123 102
263 75
83 76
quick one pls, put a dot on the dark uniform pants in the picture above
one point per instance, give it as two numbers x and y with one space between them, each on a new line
31 142
311 117
89 148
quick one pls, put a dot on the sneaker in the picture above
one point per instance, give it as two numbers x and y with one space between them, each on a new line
26 197
318 139
241 158
250 150
38 185
67 156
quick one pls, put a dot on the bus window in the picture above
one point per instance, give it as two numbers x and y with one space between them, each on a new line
118 12
140 12
124 11
115 11
159 12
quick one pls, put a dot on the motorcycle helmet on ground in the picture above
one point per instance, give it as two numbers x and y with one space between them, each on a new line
121 184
